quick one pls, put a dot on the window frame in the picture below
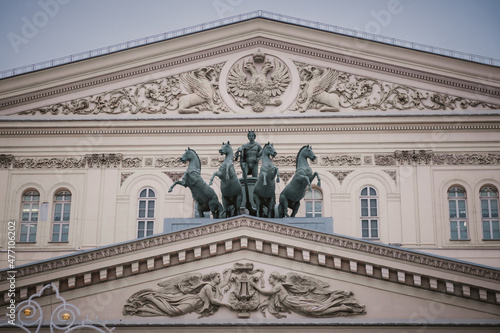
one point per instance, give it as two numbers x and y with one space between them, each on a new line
145 224
62 224
490 201
457 223
30 225
369 223
313 202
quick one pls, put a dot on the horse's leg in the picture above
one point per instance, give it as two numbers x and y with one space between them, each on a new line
228 206
295 208
283 206
257 203
317 176
306 178
201 213
216 173
239 200
263 174
270 207
213 205
178 182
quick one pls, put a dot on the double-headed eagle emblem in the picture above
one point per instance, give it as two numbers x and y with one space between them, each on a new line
259 82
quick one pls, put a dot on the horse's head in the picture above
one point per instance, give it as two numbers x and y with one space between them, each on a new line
186 156
226 149
307 152
269 150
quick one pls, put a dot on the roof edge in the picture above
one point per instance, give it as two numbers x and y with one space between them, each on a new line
241 18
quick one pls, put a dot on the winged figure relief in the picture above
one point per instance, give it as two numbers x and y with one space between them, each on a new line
306 296
201 87
259 85
315 92
180 295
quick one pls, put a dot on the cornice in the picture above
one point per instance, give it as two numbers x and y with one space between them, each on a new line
137 130
213 53
263 225
188 251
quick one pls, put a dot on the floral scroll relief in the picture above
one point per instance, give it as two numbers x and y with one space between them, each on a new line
325 89
188 92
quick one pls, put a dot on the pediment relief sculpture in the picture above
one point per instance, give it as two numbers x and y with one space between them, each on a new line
260 83
205 294
189 92
326 89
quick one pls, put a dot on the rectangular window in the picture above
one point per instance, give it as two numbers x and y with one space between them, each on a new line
145 228
365 231
458 230
28 232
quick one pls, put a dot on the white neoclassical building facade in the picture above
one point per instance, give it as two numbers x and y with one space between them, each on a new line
402 231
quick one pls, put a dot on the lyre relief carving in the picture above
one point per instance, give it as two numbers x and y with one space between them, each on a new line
244 298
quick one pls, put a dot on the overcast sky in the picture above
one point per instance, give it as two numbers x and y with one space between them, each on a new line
32 31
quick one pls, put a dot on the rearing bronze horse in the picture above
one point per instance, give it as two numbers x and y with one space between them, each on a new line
296 190
265 188
204 195
232 193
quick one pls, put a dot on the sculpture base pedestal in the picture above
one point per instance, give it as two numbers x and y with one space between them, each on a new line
248 208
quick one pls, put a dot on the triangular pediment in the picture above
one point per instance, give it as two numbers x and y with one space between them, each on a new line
256 69
358 273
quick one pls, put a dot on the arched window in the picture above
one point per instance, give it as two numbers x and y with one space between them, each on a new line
29 216
489 212
313 201
61 220
457 203
369 213
146 213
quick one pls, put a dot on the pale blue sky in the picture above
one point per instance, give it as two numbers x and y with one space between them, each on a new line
32 31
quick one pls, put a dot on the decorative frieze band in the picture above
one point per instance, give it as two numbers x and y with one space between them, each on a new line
427 157
403 157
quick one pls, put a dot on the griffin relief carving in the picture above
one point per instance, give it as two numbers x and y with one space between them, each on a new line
315 85
326 89
189 92
258 82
